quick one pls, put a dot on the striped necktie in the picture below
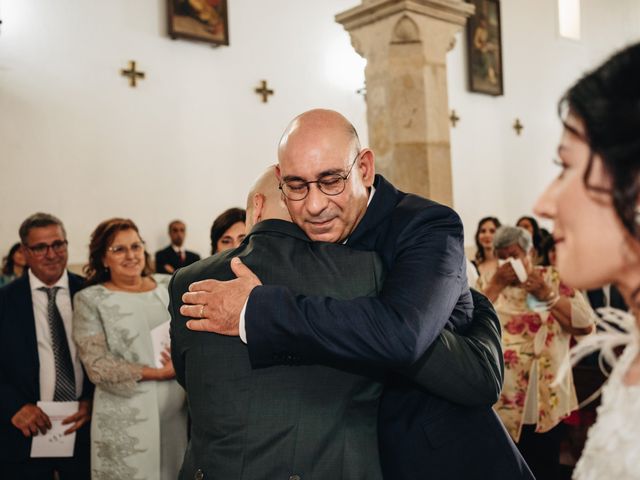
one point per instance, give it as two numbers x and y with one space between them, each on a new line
65 389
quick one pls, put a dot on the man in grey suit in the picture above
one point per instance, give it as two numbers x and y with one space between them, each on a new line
302 422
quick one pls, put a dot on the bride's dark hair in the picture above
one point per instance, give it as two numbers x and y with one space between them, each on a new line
607 100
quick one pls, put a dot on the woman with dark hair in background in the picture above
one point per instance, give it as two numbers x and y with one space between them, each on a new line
139 425
228 230
13 265
548 251
530 224
594 204
485 260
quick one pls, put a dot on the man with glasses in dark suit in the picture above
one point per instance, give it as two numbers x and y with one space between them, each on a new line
38 359
334 195
303 421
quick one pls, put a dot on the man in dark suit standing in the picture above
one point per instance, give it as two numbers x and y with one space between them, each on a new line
303 421
334 195
38 358
169 259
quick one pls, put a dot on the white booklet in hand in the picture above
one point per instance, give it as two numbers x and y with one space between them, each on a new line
55 443
161 340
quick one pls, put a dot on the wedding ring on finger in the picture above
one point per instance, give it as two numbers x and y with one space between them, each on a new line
201 311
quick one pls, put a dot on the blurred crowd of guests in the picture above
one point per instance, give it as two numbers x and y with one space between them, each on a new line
227 232
513 266
93 343
541 319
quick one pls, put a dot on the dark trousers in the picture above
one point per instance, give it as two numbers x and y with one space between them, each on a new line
44 468
541 451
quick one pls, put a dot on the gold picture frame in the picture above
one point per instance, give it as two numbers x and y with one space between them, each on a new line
200 20
484 48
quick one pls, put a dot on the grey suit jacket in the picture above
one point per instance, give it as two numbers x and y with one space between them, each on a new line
316 422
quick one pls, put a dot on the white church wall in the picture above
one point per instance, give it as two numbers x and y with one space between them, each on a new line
77 141
187 143
495 171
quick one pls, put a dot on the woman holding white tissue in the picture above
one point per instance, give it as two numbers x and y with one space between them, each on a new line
538 316
595 206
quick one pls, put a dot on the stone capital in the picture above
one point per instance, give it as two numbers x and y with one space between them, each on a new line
372 11
405 43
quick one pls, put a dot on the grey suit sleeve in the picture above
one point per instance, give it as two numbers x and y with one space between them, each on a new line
465 368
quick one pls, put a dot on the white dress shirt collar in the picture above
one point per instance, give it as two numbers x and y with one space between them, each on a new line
47 374
35 282
371 194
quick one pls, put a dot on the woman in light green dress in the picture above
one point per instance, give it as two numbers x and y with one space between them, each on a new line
139 423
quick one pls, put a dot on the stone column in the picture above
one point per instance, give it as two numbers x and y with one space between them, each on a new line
405 43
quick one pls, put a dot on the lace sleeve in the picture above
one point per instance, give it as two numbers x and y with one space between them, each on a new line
104 369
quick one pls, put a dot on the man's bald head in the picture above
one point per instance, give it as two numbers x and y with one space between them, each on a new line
321 148
265 200
319 123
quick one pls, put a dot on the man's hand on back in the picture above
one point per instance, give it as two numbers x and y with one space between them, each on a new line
216 306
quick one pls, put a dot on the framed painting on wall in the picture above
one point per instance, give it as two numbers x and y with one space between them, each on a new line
484 48
202 20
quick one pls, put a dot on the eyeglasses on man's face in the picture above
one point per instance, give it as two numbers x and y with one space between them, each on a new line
332 185
121 250
40 249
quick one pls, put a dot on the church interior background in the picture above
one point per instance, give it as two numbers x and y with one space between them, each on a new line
186 142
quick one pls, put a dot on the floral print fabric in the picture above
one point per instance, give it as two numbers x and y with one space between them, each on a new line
534 344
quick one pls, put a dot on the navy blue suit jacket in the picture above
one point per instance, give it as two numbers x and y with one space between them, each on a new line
20 368
421 435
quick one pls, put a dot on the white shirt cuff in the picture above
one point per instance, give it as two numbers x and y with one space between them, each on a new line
242 331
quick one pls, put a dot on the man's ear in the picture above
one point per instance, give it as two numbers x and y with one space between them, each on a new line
258 207
366 164
278 174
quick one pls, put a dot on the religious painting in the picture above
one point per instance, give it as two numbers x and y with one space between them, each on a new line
484 48
202 20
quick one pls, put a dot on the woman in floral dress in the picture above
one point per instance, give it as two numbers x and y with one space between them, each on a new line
538 317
